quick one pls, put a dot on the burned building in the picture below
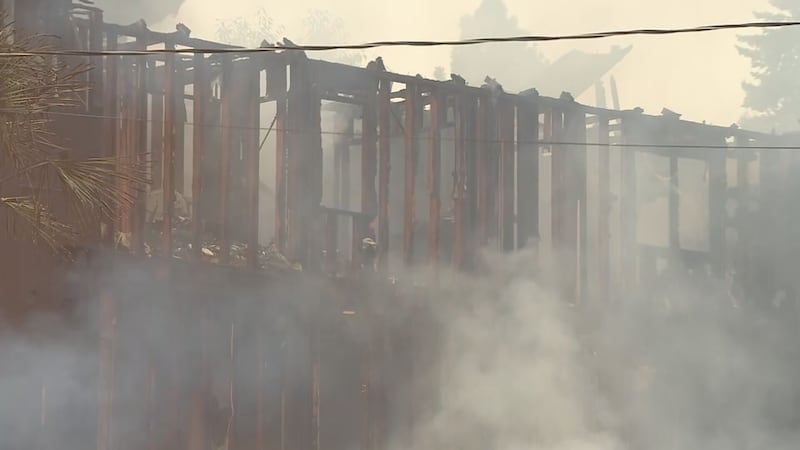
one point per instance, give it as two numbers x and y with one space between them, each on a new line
422 173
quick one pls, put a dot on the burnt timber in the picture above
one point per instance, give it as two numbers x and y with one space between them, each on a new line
414 172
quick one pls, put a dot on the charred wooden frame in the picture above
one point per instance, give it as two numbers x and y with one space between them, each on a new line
498 146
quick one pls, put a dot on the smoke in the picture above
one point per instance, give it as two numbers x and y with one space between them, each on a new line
515 366
515 373
676 367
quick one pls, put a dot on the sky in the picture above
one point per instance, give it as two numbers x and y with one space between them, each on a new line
698 75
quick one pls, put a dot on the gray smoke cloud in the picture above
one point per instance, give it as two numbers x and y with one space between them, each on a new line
518 367
523 368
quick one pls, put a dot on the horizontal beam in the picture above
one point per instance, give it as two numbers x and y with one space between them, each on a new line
340 78
139 30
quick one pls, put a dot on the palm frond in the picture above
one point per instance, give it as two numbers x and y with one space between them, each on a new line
34 164
31 88
29 218
97 188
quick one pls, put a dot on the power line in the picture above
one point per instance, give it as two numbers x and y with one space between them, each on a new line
416 43
445 138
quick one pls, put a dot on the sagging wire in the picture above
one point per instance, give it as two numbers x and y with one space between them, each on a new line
266 48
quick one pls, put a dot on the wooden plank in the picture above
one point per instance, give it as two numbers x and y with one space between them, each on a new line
111 116
228 88
603 210
459 187
141 154
673 200
168 154
527 185
628 209
555 124
434 175
579 177
199 104
482 163
409 179
369 163
505 128
276 82
717 212
384 169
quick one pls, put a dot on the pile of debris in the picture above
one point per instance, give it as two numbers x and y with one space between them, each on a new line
269 257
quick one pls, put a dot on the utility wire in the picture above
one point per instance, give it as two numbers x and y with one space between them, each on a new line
369 45
443 138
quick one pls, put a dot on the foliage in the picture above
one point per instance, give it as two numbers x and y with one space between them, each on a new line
774 54
321 27
475 62
249 32
34 169
325 29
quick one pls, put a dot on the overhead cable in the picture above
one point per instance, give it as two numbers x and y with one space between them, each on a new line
414 43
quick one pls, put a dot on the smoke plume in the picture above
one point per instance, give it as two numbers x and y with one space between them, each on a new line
519 367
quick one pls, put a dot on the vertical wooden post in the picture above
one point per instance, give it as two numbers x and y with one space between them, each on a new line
470 185
483 137
140 147
578 174
110 113
527 185
494 134
673 200
276 79
460 187
572 187
717 213
226 113
604 208
384 147
124 150
156 129
253 188
505 129
563 206
179 126
629 252
369 157
555 133
744 197
200 98
434 174
253 161
411 149
168 153
96 81
313 161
